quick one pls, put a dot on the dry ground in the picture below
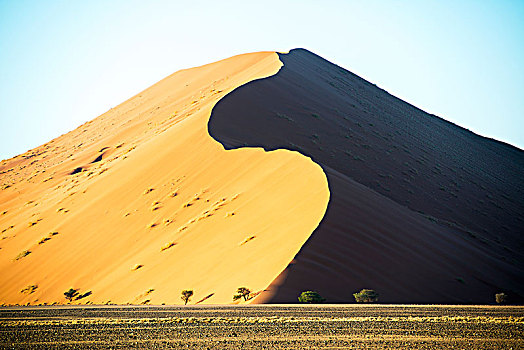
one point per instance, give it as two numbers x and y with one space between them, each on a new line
263 327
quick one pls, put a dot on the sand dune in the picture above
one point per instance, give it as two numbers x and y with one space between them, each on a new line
421 210
277 172
141 202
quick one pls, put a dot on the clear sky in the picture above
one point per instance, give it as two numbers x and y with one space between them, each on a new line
63 63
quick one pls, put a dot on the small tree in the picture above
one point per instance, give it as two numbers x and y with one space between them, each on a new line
70 294
242 292
501 298
366 296
310 297
186 295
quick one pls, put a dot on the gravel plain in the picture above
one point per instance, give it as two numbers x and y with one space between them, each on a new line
263 327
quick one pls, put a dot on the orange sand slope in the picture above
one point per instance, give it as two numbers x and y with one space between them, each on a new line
141 202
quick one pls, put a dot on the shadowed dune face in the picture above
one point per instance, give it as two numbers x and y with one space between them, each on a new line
420 210
140 203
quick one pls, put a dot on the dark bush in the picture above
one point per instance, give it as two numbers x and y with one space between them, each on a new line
366 296
501 298
310 297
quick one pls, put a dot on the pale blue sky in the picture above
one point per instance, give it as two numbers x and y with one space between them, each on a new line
63 63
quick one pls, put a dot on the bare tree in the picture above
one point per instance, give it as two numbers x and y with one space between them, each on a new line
186 295
70 294
242 292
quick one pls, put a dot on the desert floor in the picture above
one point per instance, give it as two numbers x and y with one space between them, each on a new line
263 327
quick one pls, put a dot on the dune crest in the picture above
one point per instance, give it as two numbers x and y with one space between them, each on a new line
141 203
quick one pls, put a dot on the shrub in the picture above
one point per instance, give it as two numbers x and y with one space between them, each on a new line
242 292
29 289
310 297
283 116
167 246
186 295
501 298
23 254
366 296
71 293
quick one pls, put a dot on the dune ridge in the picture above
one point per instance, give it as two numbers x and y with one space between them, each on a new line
141 203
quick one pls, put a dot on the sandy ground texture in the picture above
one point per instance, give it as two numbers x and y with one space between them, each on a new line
141 203
264 327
